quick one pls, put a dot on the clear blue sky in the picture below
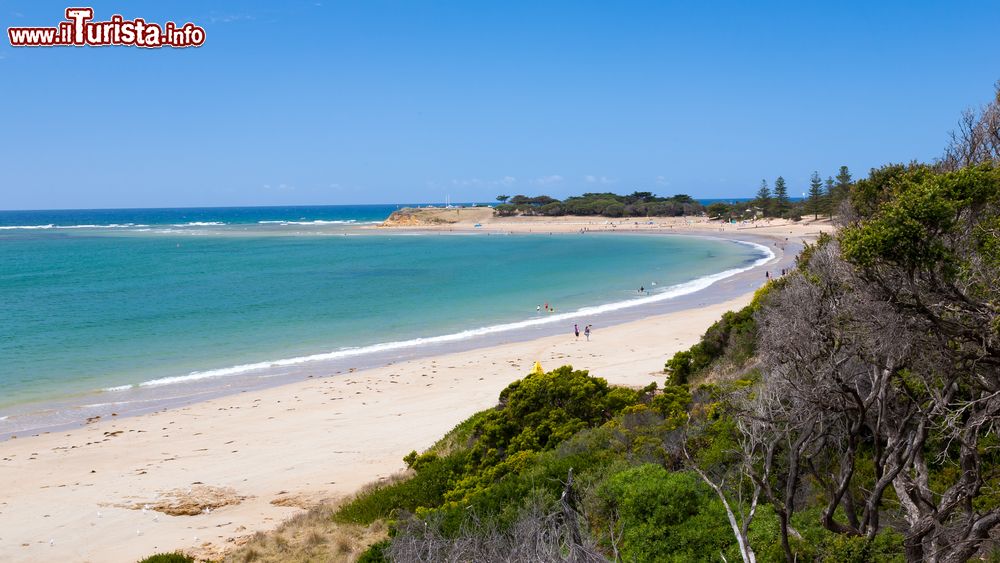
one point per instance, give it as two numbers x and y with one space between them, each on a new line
328 102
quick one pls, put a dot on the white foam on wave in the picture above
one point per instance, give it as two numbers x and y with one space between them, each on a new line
666 294
139 226
12 227
316 222
53 226
102 405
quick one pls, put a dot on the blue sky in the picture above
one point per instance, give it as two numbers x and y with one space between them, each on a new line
326 102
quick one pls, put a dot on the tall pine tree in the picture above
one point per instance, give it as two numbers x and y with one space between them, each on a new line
763 199
815 202
781 202
842 189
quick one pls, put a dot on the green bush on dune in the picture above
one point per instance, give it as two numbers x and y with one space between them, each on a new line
730 341
375 553
535 415
433 477
663 515
542 410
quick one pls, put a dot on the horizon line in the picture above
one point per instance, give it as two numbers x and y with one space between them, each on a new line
272 206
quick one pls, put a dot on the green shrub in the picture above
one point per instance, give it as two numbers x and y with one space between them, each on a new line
376 553
719 209
679 368
732 338
672 404
665 516
433 477
540 411
614 210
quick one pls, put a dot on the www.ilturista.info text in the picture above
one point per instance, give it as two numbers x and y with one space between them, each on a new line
80 30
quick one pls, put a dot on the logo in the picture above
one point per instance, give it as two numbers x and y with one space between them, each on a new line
79 30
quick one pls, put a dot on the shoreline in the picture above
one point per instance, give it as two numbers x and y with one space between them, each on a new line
284 448
57 414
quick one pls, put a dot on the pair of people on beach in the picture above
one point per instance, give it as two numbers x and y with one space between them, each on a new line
586 331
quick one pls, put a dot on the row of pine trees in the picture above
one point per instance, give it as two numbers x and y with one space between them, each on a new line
823 198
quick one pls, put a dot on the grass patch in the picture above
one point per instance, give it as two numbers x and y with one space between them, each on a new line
168 558
310 536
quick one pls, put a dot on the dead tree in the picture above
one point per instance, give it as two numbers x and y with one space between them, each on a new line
902 363
737 491
977 138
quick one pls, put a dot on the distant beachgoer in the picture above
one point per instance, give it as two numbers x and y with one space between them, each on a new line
767 275
586 332
576 331
642 289
538 308
546 306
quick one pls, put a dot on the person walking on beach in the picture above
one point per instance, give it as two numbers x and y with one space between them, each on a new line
586 332
576 331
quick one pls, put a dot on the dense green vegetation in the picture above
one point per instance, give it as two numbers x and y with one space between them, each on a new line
848 414
634 496
637 204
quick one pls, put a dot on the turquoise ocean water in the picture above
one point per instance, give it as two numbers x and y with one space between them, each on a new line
99 300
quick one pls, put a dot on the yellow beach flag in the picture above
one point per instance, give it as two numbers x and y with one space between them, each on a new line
537 370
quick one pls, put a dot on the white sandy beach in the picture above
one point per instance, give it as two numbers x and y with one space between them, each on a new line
481 219
79 495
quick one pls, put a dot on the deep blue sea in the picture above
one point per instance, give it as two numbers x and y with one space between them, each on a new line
100 301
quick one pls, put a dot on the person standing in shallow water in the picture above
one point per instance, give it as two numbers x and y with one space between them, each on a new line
586 332
576 331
